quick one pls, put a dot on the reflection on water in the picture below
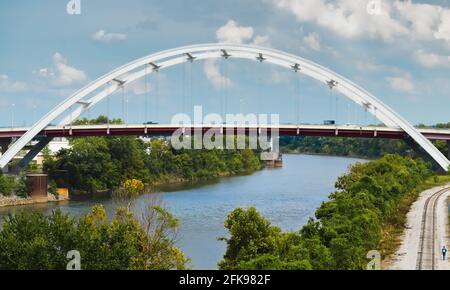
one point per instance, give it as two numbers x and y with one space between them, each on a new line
287 196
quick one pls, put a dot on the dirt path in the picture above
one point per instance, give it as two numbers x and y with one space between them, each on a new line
412 254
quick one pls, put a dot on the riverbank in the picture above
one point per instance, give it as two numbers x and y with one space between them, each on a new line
355 156
406 256
287 196
10 201
165 183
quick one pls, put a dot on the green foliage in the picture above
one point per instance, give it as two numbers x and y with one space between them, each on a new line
251 235
14 185
354 147
100 120
22 187
346 227
7 184
98 163
34 241
53 189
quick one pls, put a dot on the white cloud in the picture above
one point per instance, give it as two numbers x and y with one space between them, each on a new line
103 36
261 40
232 33
402 84
62 74
312 40
347 18
350 19
430 60
368 66
212 72
443 31
11 86
421 19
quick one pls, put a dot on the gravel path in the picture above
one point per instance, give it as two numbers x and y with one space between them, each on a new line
406 257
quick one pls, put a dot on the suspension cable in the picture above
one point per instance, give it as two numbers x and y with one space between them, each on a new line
348 112
375 121
222 87
107 103
225 101
126 106
259 80
71 116
365 116
183 90
336 103
146 94
191 97
123 104
330 105
299 100
157 96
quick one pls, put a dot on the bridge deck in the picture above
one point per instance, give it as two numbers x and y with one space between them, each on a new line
284 130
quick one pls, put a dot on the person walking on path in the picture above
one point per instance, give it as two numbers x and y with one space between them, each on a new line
444 252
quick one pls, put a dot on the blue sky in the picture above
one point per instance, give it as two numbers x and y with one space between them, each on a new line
400 53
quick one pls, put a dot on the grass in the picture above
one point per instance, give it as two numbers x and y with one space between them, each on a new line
394 228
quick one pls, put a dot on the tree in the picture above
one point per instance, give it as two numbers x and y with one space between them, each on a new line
6 184
251 235
32 241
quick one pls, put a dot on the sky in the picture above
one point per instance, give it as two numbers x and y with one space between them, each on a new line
398 50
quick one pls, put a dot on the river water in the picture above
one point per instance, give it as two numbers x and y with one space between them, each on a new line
286 196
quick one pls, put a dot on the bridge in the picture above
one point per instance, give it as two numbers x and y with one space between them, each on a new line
167 130
89 96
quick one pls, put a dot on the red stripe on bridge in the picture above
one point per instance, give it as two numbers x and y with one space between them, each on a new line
82 131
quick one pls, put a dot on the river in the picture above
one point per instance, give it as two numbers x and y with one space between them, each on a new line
286 196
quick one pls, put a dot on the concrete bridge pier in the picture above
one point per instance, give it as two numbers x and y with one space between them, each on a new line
448 149
4 144
32 153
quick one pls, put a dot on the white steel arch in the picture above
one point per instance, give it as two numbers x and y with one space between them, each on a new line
99 89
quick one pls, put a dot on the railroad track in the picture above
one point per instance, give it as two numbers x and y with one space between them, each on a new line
426 258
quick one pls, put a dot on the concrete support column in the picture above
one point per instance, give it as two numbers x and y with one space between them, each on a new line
4 144
33 153
448 149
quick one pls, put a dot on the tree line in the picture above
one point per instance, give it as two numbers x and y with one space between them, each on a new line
100 163
369 198
355 147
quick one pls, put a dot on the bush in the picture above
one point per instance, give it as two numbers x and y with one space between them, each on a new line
6 184
21 187
32 241
53 189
